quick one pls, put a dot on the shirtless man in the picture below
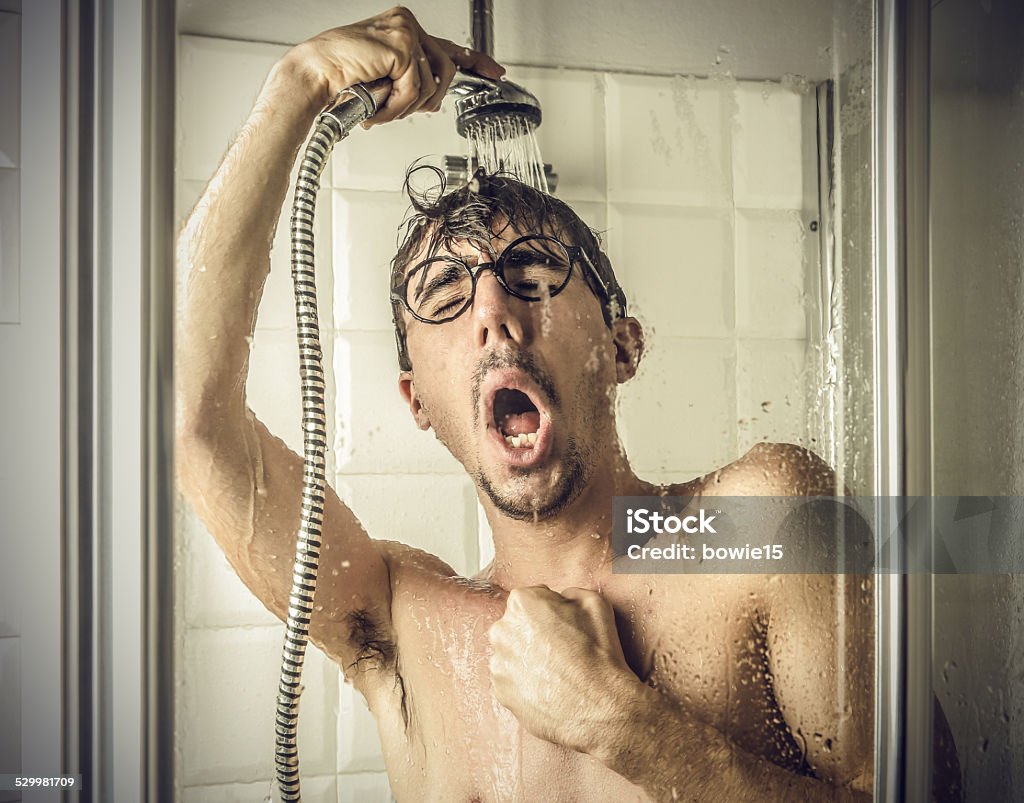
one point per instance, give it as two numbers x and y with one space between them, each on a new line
547 677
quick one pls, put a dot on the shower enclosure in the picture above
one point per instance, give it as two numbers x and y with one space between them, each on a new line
831 196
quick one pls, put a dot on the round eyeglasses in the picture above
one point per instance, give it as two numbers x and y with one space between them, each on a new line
532 268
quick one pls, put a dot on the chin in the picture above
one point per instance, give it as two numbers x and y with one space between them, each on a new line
535 494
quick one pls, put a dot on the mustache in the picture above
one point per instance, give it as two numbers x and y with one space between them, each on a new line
518 360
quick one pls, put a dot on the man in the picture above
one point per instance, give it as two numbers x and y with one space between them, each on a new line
547 677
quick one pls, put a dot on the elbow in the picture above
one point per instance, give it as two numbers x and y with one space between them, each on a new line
197 436
191 442
207 416
191 428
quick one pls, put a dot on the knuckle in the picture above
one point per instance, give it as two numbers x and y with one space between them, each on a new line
592 602
404 40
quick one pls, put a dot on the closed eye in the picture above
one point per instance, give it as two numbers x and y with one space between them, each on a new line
451 274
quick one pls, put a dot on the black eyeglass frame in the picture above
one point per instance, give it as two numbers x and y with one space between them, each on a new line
611 297
573 252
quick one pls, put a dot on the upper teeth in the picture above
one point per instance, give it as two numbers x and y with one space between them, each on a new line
519 441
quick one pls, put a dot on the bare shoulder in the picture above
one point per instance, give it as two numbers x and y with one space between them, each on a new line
774 469
423 578
413 567
819 654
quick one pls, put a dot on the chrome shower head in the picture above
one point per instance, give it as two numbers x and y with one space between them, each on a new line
479 100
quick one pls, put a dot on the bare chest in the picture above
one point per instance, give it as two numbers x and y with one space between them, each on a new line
446 737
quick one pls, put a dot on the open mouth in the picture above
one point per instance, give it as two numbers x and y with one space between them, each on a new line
516 418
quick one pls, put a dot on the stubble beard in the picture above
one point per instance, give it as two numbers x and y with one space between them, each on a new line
576 468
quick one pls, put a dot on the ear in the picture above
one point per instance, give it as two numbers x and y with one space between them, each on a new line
628 336
407 387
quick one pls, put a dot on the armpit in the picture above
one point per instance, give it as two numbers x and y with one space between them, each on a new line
374 648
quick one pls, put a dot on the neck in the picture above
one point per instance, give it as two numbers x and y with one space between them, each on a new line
571 548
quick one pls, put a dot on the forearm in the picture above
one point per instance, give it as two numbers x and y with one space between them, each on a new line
225 246
673 757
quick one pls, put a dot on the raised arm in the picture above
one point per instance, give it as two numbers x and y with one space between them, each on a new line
243 481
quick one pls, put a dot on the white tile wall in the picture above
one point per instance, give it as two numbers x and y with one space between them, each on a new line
572 130
679 410
432 512
773 252
703 188
668 140
218 82
213 595
485 539
376 432
273 387
771 382
377 159
227 699
676 266
371 787
365 241
595 215
322 789
770 139
358 738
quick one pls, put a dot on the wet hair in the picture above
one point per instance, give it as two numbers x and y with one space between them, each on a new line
439 218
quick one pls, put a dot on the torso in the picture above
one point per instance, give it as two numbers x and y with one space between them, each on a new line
698 639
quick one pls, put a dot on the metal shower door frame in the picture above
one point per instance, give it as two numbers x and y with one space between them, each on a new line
903 408
117 222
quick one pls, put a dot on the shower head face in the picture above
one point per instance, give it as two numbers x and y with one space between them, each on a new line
480 101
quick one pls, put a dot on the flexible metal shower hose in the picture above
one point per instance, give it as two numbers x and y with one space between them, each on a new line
331 127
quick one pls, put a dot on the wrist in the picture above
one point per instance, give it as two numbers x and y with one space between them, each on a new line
292 80
628 717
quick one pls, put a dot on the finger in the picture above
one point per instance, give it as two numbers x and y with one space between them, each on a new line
405 92
540 592
404 42
496 633
472 60
595 605
580 594
426 88
443 69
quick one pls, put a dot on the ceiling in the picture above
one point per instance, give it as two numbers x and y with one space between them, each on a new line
747 38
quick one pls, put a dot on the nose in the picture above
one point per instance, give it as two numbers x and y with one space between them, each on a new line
495 319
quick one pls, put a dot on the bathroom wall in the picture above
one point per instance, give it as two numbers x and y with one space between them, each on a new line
705 189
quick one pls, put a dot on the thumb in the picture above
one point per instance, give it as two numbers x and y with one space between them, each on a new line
580 594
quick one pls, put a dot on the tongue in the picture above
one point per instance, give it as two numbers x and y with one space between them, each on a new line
521 423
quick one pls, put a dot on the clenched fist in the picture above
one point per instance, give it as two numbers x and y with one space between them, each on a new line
558 666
